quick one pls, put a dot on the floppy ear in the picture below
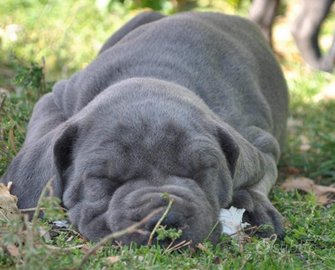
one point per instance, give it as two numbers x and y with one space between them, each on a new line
246 163
63 149
230 149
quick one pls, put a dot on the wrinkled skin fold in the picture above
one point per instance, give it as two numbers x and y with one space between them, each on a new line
194 105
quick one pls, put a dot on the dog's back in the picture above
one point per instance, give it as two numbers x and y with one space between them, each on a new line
223 59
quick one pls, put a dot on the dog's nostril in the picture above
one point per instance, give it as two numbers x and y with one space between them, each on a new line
172 220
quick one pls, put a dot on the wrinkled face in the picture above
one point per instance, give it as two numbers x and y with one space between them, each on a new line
119 170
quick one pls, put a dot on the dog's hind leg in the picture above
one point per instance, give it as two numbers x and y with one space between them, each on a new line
263 13
305 31
142 18
33 167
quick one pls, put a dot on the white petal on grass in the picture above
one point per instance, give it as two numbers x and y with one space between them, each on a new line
231 220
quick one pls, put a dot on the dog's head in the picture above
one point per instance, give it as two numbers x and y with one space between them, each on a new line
136 141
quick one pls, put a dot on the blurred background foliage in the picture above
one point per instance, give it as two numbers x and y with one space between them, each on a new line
70 33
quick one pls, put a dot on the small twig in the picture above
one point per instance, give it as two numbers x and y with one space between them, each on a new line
159 222
177 246
244 230
295 202
112 236
59 248
10 118
30 232
44 86
314 264
256 228
169 246
118 245
2 102
70 230
3 216
70 238
139 231
38 207
31 209
41 209
181 246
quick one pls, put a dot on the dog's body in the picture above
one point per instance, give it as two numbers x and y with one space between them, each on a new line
194 105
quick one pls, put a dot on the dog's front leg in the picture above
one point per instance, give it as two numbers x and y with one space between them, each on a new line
253 196
259 210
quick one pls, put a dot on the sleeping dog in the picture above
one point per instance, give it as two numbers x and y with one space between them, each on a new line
193 104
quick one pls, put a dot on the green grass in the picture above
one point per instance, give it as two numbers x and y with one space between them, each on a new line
313 123
310 236
309 241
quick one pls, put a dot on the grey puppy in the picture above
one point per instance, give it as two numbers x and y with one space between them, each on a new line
194 105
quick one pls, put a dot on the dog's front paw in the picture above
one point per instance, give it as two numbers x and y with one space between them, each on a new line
259 211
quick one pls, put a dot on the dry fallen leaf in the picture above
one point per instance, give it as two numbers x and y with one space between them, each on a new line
8 208
140 258
308 185
291 170
202 248
113 259
305 146
44 233
13 250
217 260
86 249
12 141
325 199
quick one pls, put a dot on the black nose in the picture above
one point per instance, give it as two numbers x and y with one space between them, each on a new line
174 220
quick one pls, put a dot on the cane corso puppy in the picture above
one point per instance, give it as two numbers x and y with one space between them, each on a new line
193 104
305 29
